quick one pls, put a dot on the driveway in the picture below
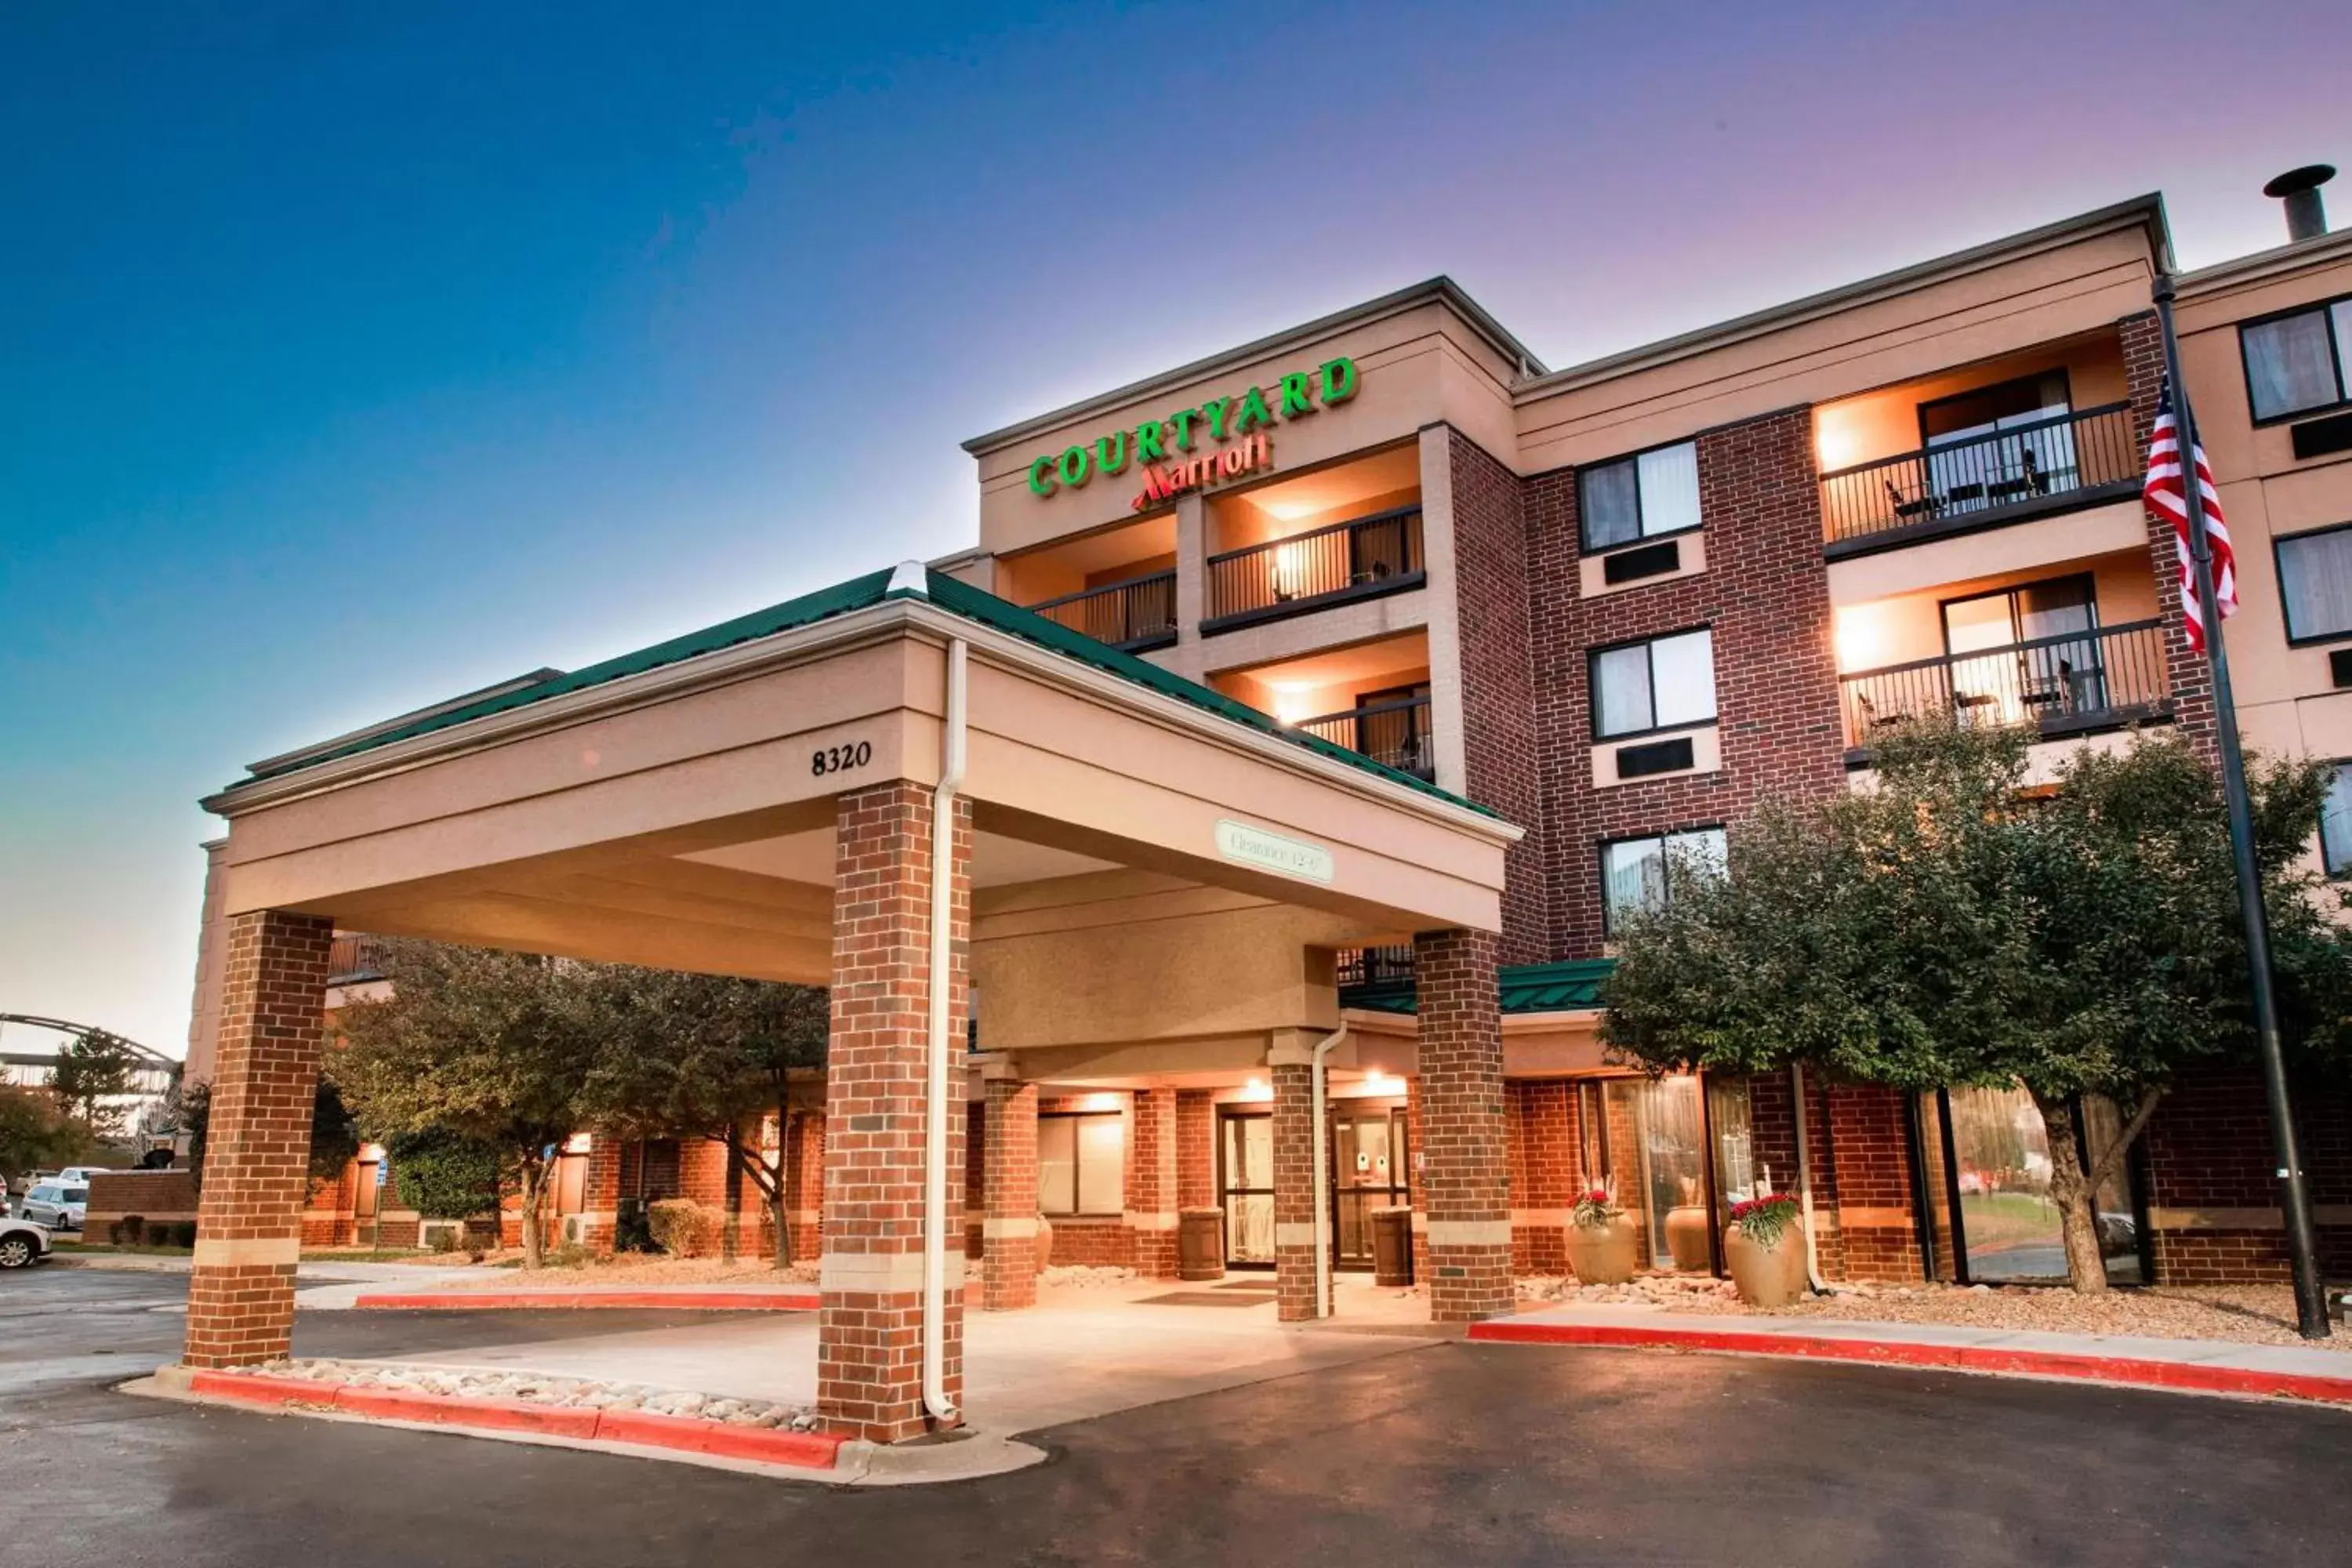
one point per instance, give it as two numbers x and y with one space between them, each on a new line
1454 1453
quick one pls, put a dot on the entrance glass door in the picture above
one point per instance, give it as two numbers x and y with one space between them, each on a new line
1658 1156
1368 1172
1245 1174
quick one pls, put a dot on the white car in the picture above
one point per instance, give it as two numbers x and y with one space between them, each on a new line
57 1204
22 1243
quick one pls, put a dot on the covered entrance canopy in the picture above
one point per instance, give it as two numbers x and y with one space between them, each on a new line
1134 861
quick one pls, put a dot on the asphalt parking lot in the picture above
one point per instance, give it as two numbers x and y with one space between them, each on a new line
1457 1454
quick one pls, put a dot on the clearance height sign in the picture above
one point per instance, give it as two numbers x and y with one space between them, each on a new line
1170 453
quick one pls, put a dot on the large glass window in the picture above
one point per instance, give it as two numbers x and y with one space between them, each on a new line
1658 1156
2299 362
1663 684
2316 581
1991 1149
2335 823
1643 873
1082 1163
1640 497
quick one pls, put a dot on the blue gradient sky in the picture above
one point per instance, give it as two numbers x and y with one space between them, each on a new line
347 363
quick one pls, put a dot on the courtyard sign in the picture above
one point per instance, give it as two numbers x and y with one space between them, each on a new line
1274 852
1168 451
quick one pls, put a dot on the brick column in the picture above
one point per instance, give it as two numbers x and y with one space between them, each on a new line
256 1163
1416 1191
1465 1169
804 1183
600 1198
2142 339
1008 1236
1196 1153
1151 1202
869 1323
1297 1184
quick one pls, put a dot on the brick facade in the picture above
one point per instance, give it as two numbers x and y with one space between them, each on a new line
1465 1157
256 1162
1764 595
2192 679
1196 1150
869 1356
1008 1248
1297 1188
1546 1171
1151 1182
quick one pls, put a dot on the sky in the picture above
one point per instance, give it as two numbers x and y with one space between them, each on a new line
352 357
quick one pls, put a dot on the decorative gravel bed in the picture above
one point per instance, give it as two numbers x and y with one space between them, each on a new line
627 1270
2244 1314
538 1388
1085 1274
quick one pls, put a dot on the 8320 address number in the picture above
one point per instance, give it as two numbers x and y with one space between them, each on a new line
836 759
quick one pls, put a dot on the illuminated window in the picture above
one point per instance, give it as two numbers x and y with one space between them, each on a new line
1082 1163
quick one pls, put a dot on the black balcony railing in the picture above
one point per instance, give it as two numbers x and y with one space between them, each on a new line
2077 680
1374 554
1139 612
1395 735
2068 459
355 957
1375 965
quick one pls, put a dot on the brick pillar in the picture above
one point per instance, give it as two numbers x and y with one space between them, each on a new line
869 1323
256 1164
1297 1189
1465 1166
1196 1153
1416 1192
2192 679
600 1199
1151 1201
1008 1236
804 1183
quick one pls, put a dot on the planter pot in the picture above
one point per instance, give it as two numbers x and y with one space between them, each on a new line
1604 1254
1686 1229
1770 1275
1045 1242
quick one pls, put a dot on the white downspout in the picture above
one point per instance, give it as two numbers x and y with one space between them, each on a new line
935 1117
1805 1181
1323 1177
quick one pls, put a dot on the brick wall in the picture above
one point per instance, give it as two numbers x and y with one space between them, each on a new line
804 1183
1545 1169
165 1195
2192 681
1491 586
1772 1121
1873 1173
2210 1187
1152 1183
1196 1179
869 1362
1008 1270
249 1216
1465 1168
1766 596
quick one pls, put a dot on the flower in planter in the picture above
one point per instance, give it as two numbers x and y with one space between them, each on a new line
1596 1206
1762 1220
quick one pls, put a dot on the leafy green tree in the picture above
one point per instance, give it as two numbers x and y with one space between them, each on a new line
706 1056
492 1047
36 1133
94 1074
1955 925
445 1175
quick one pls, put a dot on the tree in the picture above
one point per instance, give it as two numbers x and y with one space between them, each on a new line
1953 925
38 1134
491 1046
94 1073
708 1056
445 1175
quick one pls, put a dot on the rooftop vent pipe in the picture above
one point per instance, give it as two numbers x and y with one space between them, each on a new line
2306 215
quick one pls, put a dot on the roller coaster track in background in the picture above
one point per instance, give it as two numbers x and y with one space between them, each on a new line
91 1032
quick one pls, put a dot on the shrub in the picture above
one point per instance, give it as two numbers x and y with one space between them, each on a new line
184 1233
678 1224
569 1254
159 1233
448 1239
126 1231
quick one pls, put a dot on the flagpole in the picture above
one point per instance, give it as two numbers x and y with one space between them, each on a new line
2295 1193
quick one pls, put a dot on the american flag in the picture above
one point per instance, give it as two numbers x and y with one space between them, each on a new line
2164 491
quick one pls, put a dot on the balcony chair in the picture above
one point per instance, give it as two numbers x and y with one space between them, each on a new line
1927 505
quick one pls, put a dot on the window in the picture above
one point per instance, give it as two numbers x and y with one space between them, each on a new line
1663 684
2335 823
1082 1165
1640 497
2299 362
1639 874
2316 581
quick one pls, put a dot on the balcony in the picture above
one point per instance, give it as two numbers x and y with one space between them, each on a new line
1135 616
2068 684
2082 458
1346 560
353 957
1394 734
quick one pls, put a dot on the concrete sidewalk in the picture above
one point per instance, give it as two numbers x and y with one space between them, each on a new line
2204 1366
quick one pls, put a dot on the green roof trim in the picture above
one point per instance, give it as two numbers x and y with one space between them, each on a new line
957 598
1567 986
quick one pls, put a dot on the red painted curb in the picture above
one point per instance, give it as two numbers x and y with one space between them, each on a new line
255 1388
818 1450
456 1410
642 1428
515 1301
2131 1371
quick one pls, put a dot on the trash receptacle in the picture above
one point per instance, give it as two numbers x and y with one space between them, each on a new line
1201 1244
1392 1246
